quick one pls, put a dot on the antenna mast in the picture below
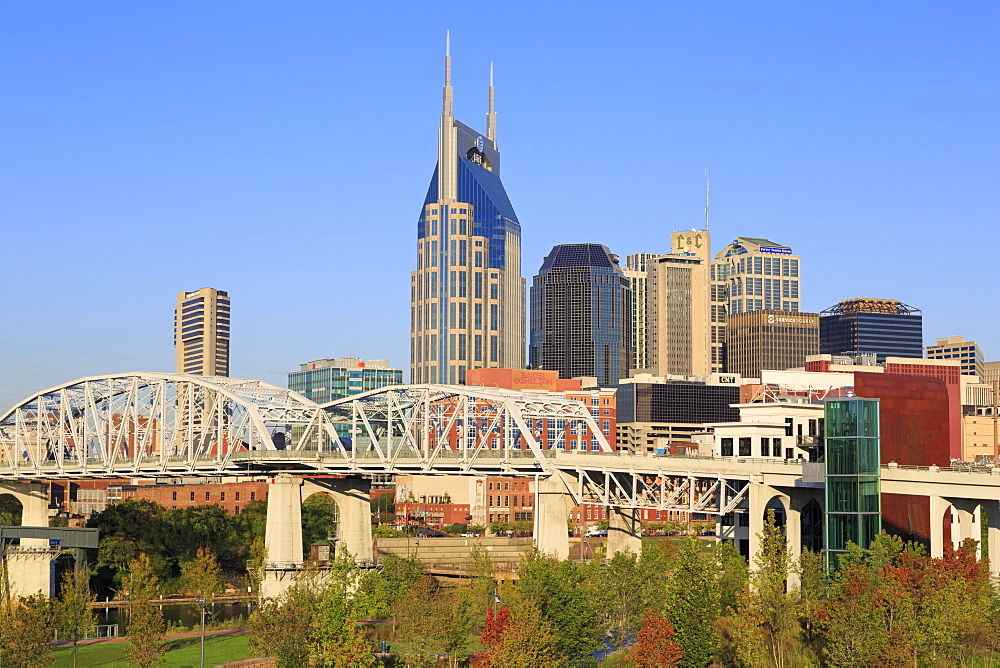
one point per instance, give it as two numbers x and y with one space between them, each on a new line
706 199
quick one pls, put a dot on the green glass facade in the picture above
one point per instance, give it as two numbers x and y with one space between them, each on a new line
853 498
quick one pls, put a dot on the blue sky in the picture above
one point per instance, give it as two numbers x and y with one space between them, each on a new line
280 151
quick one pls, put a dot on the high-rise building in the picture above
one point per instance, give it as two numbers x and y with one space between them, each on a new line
467 294
770 339
957 348
581 313
328 379
880 327
201 332
635 271
759 274
679 308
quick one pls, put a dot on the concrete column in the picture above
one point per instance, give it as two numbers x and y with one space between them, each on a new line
353 497
794 503
29 567
938 508
283 534
554 506
759 496
624 531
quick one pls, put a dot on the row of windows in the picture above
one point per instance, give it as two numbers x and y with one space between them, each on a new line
222 496
769 447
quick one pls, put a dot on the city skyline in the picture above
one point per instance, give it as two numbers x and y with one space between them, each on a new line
864 140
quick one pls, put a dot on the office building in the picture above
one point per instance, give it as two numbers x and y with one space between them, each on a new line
635 271
957 348
679 308
770 339
201 332
879 327
325 380
467 294
581 312
759 274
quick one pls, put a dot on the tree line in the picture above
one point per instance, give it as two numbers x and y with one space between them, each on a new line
678 603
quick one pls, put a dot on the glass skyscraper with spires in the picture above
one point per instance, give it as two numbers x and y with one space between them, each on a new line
467 294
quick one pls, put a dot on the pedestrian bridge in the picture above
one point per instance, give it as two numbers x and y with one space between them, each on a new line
158 425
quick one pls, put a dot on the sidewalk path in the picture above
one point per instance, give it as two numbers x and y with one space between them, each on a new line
169 636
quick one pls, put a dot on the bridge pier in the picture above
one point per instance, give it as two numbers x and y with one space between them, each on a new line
29 567
552 526
353 498
793 502
624 531
938 507
283 535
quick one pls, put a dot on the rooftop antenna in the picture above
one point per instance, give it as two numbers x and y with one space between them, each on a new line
491 116
706 199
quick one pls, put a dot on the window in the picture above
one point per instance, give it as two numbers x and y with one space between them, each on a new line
253 496
727 447
222 496
765 447
208 496
745 446
173 496
237 496
192 496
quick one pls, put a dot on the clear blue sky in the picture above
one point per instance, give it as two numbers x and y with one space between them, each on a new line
281 151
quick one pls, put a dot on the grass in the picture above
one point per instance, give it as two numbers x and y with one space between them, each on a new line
181 652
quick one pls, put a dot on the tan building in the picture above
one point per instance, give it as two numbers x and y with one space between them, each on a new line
636 265
957 348
991 372
201 332
678 307
770 339
978 434
760 275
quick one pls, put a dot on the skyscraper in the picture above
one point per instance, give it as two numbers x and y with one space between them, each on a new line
635 271
882 327
679 309
957 348
770 339
467 294
581 312
201 332
760 274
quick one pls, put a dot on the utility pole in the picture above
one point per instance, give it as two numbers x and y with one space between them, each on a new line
202 602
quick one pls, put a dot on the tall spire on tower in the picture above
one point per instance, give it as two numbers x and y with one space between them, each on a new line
706 199
447 134
491 114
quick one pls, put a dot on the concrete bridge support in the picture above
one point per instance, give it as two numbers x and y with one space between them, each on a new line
29 567
624 531
793 502
352 496
283 535
938 507
552 526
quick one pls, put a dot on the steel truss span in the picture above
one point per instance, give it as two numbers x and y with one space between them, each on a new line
159 424
147 423
461 428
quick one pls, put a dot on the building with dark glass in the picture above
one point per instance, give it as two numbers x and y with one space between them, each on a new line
581 310
880 327
772 340
201 332
467 294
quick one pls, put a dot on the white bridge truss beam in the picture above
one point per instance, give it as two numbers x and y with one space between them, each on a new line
659 490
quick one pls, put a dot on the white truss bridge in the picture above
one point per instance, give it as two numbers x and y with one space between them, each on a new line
160 425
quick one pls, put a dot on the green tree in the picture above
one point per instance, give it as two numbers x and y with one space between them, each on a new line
319 519
72 611
146 629
284 627
812 588
431 623
10 510
200 576
25 631
767 628
621 591
380 590
339 641
528 641
557 590
692 603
